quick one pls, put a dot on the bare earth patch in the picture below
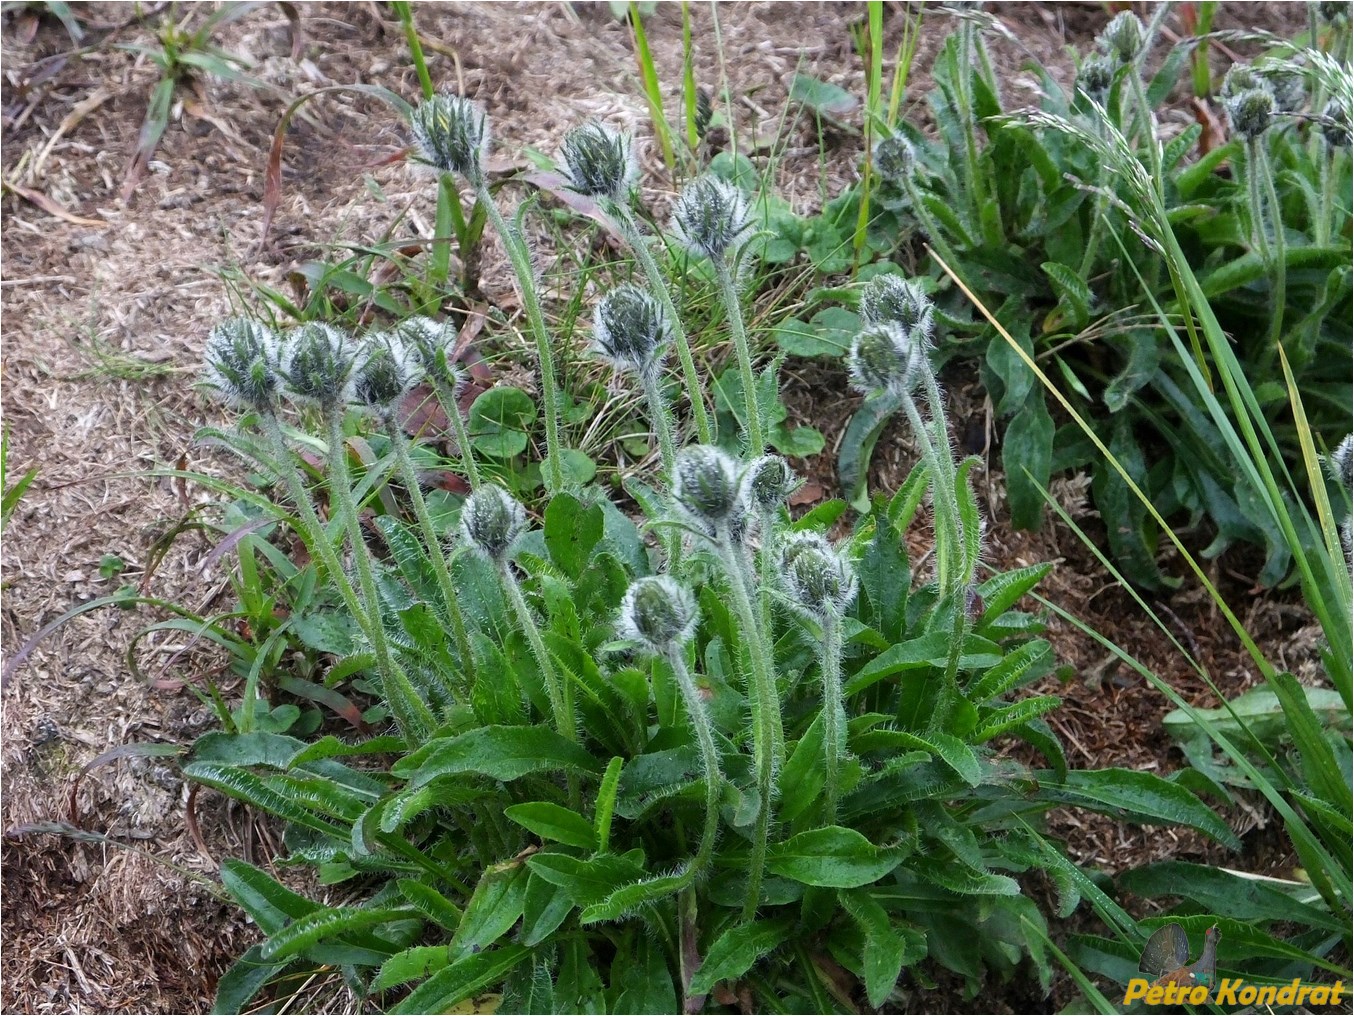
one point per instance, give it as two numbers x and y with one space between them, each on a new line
105 312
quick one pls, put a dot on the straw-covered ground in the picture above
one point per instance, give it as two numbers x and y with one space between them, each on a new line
106 305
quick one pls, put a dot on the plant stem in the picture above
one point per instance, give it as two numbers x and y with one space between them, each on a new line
660 416
767 732
430 539
561 703
639 245
700 723
1149 128
520 257
446 394
947 547
928 223
1279 266
834 711
406 699
729 294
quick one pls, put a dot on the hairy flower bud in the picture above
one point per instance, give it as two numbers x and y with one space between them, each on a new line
434 344
1123 37
1288 83
630 330
884 357
387 371
1241 78
769 482
711 217
1250 112
1341 464
894 158
1335 125
658 613
317 363
599 161
707 486
241 364
1095 76
818 578
492 522
891 299
451 134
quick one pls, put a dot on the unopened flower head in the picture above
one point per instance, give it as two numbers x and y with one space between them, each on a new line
1288 83
894 158
1123 37
451 134
769 482
1335 125
434 344
711 217
1241 78
1333 11
599 161
818 578
892 299
659 613
492 522
388 369
631 330
884 357
707 486
1341 464
1095 77
317 363
1250 112
241 364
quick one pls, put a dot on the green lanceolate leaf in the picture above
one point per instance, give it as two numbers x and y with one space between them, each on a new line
1027 455
494 907
631 898
1024 664
430 903
457 982
591 881
410 965
572 530
501 753
835 857
327 923
734 952
270 904
884 951
1136 797
554 822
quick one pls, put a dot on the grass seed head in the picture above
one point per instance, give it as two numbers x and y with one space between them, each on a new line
492 522
242 364
659 613
317 363
630 330
711 218
451 134
599 162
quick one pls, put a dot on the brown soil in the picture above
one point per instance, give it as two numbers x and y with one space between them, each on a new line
106 307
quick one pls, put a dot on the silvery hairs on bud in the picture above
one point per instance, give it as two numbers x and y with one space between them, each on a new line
1341 464
768 483
1241 78
1251 112
630 330
712 218
242 364
818 578
659 613
434 343
1123 37
885 358
387 370
894 158
317 364
893 299
1335 124
492 522
1288 81
599 161
707 487
1095 76
451 134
